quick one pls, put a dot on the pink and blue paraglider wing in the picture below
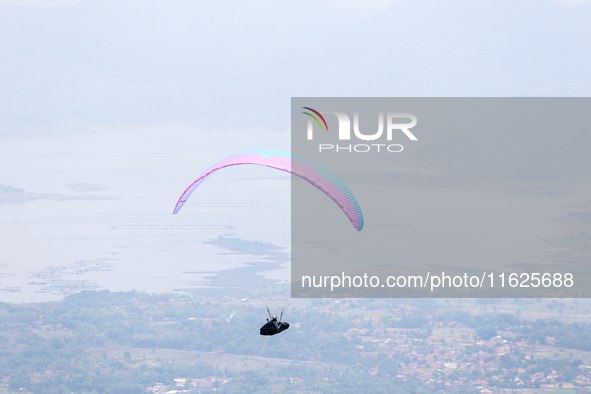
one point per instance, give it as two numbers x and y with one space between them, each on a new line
306 169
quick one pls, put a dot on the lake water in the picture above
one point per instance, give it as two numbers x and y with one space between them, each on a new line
51 248
237 225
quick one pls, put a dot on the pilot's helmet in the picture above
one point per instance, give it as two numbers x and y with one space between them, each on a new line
274 317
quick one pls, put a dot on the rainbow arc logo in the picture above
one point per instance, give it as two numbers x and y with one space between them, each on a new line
315 118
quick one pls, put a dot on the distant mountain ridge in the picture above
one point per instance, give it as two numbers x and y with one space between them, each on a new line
13 195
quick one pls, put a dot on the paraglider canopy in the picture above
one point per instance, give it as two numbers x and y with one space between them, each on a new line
302 167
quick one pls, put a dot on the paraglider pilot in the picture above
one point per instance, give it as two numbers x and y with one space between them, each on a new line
274 326
275 322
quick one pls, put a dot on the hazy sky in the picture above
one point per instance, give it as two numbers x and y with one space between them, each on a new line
349 3
108 63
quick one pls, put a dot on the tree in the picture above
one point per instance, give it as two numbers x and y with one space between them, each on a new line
487 332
